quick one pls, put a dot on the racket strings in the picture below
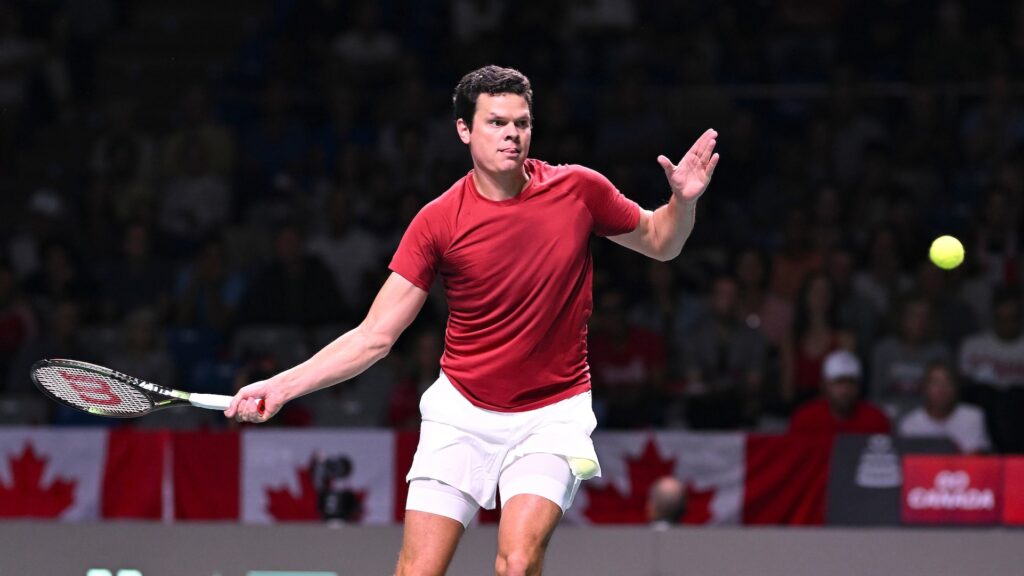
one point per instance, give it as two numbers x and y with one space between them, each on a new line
91 391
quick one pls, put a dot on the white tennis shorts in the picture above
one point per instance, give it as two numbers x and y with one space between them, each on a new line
468 447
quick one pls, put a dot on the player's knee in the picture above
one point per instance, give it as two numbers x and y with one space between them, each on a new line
517 563
408 566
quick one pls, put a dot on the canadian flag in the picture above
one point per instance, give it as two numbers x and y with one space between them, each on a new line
343 475
711 466
81 474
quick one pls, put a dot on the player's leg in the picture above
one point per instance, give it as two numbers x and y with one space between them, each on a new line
535 489
436 516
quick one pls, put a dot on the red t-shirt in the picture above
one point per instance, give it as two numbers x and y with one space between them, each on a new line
517 275
815 418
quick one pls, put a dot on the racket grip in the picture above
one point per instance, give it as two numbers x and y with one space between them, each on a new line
261 407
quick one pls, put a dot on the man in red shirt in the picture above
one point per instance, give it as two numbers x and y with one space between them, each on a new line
511 408
840 409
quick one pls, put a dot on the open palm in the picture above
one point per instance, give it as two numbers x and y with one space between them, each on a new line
691 176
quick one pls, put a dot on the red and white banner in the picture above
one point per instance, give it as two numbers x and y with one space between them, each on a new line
51 473
952 490
358 476
710 465
313 475
83 474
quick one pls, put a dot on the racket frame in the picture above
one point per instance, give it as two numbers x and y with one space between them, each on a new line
159 397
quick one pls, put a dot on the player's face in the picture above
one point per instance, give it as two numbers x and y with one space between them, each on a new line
500 138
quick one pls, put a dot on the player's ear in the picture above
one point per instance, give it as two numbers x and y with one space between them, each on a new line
463 129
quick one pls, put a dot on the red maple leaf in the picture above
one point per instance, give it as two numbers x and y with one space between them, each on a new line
606 505
26 496
698 505
283 505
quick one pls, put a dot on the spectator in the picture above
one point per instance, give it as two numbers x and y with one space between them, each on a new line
124 157
59 339
196 200
839 410
759 308
943 416
293 288
348 249
627 365
954 318
206 294
885 278
141 352
855 312
666 503
59 278
138 279
997 241
403 410
197 125
899 361
667 309
797 259
725 364
992 364
17 320
46 224
366 47
18 56
815 334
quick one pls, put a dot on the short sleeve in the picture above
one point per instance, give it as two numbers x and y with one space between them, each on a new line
612 212
419 253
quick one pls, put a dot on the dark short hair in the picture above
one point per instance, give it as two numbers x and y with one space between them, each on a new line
489 80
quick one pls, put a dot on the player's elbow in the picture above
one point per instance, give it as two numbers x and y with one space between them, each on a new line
666 253
377 343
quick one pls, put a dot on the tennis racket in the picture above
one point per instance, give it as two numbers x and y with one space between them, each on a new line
105 392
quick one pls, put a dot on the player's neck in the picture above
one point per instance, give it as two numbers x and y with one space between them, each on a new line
498 186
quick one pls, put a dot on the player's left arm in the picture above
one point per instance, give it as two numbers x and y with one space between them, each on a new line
661 234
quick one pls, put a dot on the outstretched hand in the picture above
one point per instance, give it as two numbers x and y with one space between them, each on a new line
691 176
245 406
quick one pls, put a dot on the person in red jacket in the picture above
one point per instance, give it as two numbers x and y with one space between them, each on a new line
839 409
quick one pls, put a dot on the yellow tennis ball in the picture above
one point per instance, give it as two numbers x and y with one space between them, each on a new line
946 252
583 468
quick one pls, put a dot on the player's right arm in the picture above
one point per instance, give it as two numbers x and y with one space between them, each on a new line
394 308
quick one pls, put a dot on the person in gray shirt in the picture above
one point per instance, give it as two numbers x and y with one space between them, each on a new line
725 363
899 361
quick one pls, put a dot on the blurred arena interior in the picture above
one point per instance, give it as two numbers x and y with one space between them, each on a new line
201 194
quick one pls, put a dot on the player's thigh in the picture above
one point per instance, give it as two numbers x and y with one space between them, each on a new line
527 523
535 490
428 544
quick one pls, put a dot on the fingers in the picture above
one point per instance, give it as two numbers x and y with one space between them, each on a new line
248 405
666 164
710 139
711 165
233 407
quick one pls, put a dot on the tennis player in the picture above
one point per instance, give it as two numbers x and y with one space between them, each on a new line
511 409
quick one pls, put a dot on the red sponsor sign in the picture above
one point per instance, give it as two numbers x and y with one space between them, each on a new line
1013 490
952 490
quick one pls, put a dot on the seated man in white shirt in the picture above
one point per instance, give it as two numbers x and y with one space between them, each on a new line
943 416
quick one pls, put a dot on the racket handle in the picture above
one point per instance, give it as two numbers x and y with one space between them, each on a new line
210 401
261 407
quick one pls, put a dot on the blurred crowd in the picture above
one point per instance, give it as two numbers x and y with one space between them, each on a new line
210 232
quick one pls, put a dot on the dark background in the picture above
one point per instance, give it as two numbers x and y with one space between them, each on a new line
202 193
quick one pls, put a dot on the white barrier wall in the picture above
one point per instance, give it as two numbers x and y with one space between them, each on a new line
49 549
